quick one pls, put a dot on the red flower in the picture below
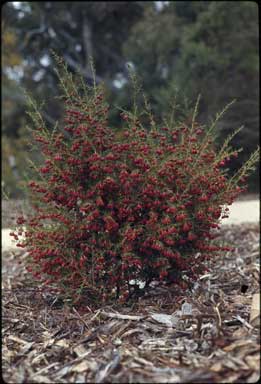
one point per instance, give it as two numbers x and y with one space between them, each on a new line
186 227
203 198
180 217
191 236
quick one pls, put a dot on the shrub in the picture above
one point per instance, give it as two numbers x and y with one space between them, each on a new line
112 208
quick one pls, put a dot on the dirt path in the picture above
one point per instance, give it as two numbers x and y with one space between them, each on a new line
244 212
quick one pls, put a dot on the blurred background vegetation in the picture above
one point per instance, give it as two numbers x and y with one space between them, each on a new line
180 48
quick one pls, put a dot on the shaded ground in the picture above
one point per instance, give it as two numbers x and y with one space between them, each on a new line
201 335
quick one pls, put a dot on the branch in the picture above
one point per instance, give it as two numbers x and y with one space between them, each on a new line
34 32
87 45
78 67
48 118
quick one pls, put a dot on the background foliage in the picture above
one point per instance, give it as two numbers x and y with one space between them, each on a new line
178 48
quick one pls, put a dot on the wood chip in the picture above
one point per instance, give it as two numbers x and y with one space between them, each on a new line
255 311
63 343
80 350
162 318
17 340
81 367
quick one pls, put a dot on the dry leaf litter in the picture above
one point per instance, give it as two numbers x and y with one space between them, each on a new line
169 336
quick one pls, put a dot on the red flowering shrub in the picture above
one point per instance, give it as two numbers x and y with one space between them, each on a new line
111 208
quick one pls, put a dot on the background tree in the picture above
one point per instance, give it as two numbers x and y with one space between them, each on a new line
179 48
74 30
12 112
203 47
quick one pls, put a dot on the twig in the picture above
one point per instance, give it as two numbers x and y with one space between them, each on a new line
120 316
218 314
44 369
102 374
243 321
80 318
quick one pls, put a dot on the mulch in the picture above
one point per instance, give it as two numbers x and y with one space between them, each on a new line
202 335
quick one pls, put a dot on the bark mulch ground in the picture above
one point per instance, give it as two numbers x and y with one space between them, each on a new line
169 336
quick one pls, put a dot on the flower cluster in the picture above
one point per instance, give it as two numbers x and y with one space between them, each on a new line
112 208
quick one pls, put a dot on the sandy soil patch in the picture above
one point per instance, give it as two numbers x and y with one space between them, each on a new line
244 212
